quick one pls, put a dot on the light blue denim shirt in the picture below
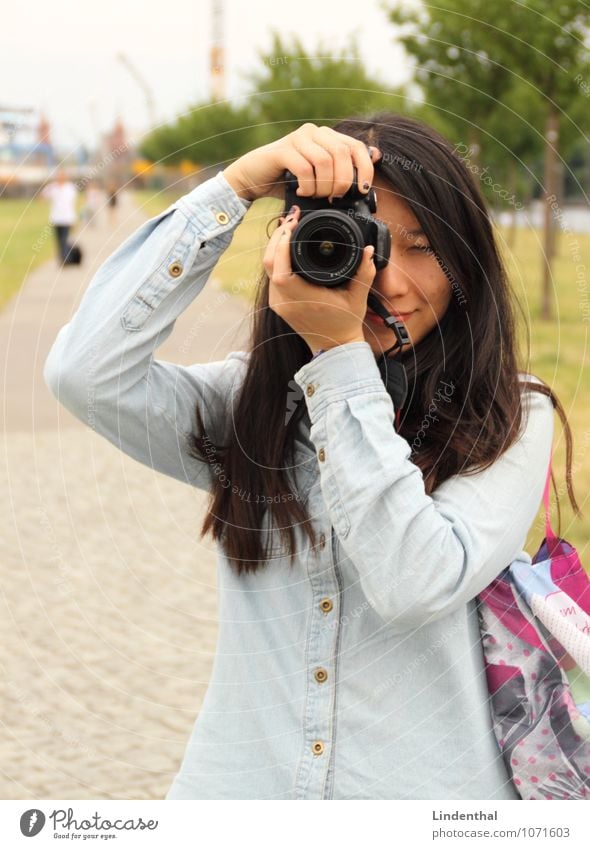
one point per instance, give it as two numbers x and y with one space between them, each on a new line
358 673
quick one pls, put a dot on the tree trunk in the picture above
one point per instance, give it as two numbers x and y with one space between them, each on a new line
550 181
511 236
560 193
474 141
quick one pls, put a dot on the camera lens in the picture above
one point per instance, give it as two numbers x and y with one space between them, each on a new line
326 247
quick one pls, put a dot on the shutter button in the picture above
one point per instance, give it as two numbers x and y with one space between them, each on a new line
221 217
175 269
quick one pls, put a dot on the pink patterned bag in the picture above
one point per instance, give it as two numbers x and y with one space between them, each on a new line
535 628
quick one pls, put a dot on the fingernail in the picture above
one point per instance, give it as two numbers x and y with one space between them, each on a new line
371 251
366 186
293 210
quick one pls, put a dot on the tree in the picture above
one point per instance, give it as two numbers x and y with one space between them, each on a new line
290 88
470 53
294 86
459 73
513 144
209 133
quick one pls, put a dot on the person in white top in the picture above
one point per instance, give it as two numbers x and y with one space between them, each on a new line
62 194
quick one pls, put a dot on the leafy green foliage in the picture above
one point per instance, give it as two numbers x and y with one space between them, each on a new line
290 88
210 133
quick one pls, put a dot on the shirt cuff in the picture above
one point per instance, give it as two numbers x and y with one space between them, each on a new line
214 205
341 372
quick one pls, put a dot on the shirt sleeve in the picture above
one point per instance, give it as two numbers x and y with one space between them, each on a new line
419 557
101 365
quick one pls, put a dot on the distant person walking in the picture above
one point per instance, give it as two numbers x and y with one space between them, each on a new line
62 194
112 201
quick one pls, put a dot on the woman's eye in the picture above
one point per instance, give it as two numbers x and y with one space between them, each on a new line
423 248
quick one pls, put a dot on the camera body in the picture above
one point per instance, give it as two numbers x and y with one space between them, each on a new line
326 246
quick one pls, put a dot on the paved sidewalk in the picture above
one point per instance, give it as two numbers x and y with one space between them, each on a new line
108 618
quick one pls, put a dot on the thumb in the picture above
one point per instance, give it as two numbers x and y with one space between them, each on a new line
366 271
360 285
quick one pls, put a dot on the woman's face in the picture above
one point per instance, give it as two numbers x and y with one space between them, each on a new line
412 282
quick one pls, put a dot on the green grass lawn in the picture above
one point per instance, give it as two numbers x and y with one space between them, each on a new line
25 240
559 355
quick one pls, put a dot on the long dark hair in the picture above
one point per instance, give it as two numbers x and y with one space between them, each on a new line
473 349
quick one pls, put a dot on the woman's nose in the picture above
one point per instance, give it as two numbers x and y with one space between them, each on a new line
392 281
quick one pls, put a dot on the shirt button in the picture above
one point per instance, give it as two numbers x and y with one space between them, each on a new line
310 389
326 605
321 455
221 217
318 747
175 269
321 675
322 541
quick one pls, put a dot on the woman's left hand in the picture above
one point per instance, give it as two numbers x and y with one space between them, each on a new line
323 316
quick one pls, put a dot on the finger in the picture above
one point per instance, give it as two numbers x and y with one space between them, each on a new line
375 153
284 231
271 246
366 271
282 268
340 146
343 170
298 165
362 160
323 165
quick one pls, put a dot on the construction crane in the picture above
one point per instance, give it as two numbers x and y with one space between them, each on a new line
216 55
149 97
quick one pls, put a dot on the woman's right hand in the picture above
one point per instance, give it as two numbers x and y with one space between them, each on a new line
321 158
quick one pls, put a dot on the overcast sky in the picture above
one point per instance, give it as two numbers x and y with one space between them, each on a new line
62 56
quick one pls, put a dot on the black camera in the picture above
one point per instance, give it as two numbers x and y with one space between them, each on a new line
327 244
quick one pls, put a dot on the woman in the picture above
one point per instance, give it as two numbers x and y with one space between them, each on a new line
353 537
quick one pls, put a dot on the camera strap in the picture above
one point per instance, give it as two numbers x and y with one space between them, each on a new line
392 371
395 379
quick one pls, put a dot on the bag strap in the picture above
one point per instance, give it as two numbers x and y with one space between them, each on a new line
549 534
